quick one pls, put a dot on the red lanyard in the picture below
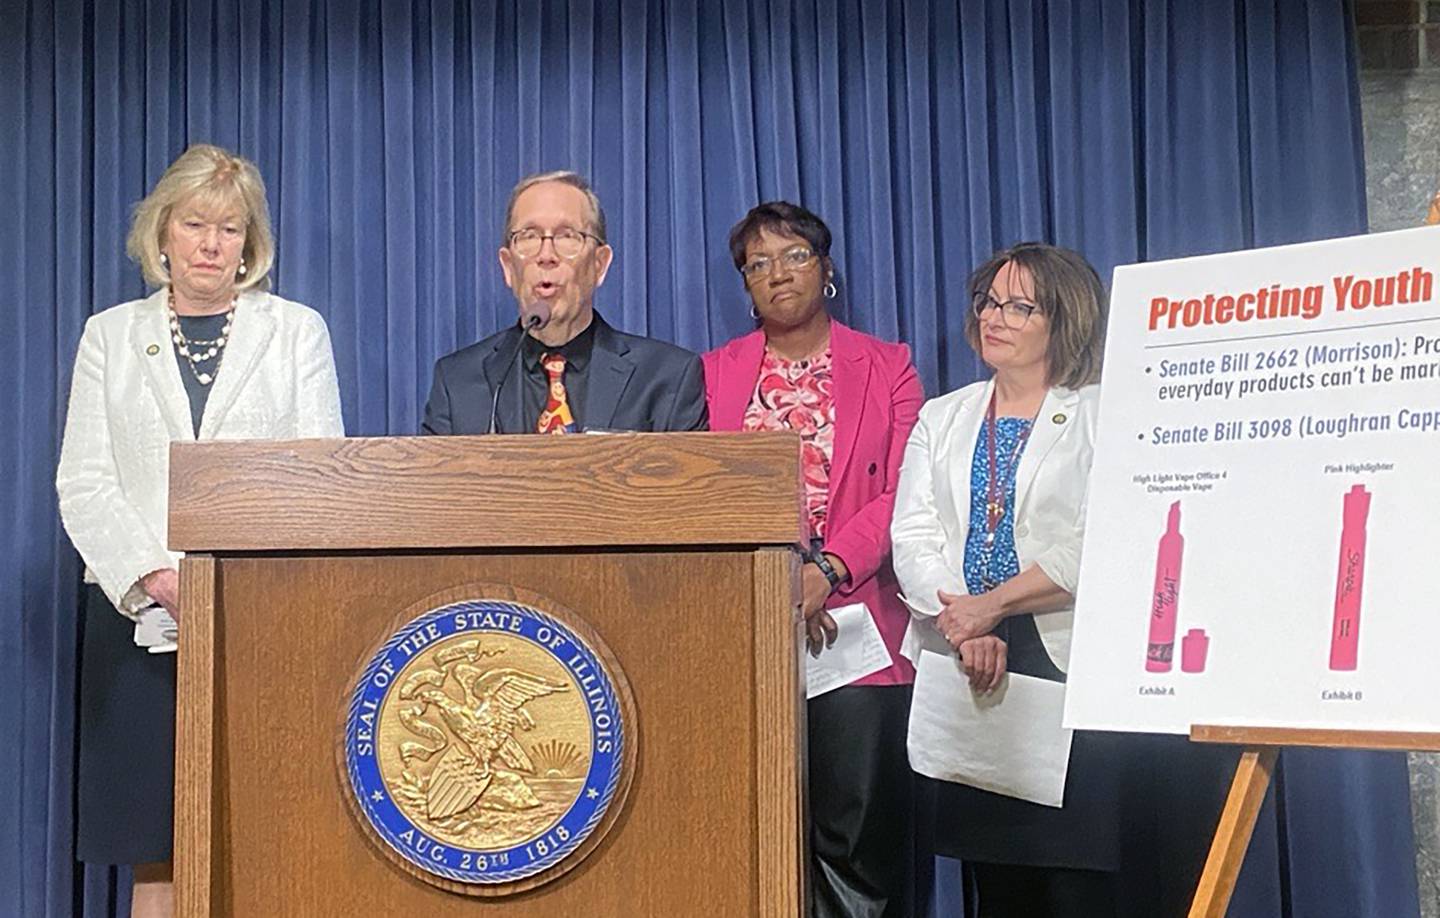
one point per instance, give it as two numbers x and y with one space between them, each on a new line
995 488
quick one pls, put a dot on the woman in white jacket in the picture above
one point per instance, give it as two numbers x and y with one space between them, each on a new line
210 355
989 515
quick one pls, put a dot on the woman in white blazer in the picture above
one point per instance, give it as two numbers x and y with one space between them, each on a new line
210 355
989 514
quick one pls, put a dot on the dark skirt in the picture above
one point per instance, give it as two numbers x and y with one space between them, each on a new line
1170 793
126 777
979 825
1143 807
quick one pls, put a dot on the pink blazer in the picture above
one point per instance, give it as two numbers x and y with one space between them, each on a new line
877 398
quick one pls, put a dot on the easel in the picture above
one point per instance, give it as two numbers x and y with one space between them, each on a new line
1247 792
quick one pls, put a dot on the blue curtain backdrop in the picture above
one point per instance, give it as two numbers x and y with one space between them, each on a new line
926 133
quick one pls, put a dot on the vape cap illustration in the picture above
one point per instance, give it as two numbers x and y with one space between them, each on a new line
1350 581
1193 650
1165 598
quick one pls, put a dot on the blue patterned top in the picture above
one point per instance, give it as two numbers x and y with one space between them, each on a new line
1003 562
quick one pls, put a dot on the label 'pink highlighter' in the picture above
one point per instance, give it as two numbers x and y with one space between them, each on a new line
1350 581
1165 598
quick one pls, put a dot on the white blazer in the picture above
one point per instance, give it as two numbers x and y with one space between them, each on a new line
932 505
128 403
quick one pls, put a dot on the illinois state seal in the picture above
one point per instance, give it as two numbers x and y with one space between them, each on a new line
487 744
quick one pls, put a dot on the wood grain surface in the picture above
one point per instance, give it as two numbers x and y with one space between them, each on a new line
1252 779
1300 736
711 826
780 710
486 492
194 736
1232 835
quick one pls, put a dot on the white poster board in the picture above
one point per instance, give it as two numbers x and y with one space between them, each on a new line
1285 403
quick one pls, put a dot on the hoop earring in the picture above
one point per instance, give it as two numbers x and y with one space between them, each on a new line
754 313
830 290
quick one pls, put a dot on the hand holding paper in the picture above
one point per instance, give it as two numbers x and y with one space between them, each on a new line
985 659
156 631
1010 742
857 651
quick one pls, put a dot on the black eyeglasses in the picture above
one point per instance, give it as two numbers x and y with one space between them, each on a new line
1013 313
796 259
569 243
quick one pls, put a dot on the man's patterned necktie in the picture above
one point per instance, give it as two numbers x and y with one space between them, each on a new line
556 418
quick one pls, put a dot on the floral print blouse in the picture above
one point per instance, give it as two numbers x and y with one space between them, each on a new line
797 395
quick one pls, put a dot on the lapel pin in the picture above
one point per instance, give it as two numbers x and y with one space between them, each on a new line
1059 418
152 350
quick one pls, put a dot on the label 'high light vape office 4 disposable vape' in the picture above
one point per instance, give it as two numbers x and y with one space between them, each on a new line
1349 581
1165 598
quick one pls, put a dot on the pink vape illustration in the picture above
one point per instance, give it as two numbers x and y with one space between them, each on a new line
1165 599
1350 581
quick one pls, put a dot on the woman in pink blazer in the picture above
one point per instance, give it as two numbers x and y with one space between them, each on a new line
853 399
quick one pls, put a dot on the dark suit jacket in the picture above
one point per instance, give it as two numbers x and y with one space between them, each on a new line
634 383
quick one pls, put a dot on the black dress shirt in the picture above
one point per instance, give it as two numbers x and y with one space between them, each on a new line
625 382
576 352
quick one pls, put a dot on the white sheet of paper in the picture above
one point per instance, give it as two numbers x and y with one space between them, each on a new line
1010 742
857 652
156 631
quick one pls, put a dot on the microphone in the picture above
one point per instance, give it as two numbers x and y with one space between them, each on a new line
535 315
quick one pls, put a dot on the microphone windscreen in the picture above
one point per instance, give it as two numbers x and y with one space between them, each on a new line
535 315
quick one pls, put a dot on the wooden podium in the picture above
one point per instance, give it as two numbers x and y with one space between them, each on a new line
302 555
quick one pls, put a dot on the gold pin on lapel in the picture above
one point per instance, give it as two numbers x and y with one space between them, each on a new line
1059 418
152 350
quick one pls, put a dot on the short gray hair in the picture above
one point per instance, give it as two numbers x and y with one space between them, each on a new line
574 180
214 175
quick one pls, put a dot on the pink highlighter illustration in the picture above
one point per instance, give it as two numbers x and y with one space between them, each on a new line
1165 599
1350 581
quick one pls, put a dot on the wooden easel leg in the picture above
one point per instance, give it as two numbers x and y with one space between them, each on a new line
1232 835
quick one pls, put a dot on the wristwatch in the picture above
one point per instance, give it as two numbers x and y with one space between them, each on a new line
827 569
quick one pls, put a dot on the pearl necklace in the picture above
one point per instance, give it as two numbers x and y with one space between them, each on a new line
197 350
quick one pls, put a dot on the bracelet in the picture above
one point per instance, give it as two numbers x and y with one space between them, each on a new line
827 569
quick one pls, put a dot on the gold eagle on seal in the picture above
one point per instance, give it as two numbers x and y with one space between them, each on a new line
484 758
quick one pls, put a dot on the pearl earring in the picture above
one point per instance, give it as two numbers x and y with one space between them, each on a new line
241 269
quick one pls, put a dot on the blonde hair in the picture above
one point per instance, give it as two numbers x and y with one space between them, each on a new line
574 180
212 176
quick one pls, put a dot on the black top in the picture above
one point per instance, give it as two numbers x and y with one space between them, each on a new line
1025 650
631 383
199 328
576 352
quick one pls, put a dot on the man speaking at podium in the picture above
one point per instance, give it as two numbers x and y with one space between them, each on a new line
561 368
